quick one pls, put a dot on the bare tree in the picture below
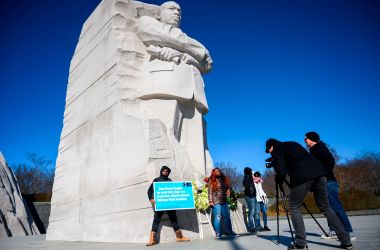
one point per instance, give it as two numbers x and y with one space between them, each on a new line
269 184
37 176
360 173
334 153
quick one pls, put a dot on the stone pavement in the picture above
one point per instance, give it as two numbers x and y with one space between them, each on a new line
367 229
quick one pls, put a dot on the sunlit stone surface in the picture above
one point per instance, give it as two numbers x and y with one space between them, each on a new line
15 218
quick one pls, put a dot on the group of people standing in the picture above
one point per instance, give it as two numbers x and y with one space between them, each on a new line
219 189
256 200
308 172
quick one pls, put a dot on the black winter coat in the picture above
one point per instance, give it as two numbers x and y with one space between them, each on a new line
324 156
161 178
293 159
249 186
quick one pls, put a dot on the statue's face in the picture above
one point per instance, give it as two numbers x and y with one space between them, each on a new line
170 13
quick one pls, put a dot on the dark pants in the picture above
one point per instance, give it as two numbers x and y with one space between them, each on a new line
336 205
172 217
319 189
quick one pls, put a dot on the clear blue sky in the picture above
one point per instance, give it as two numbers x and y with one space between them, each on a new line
281 68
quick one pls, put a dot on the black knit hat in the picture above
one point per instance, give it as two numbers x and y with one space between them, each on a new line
257 174
247 170
313 136
270 142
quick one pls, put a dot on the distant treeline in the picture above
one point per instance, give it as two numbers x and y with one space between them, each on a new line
361 173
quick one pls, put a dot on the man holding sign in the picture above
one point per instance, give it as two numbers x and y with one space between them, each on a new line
164 176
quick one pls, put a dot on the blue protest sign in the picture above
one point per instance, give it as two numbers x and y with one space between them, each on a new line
173 195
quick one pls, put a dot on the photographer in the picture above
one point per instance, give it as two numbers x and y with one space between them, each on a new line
319 150
306 173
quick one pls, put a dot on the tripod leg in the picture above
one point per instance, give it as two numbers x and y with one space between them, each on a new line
287 216
307 209
303 203
277 212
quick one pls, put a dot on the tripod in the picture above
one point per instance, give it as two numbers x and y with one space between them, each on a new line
283 198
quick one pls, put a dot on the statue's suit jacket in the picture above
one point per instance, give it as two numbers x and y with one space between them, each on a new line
165 79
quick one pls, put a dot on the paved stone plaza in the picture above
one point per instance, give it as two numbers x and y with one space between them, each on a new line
367 228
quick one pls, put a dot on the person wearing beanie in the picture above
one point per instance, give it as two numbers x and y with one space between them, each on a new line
313 136
319 150
306 173
250 198
164 176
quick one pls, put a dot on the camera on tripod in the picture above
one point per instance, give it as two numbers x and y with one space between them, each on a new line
269 162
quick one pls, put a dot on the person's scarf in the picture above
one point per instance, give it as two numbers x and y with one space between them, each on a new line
257 179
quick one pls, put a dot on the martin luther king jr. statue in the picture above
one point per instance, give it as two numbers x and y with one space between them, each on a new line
173 88
135 102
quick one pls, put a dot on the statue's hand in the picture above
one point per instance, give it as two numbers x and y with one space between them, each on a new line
167 54
208 60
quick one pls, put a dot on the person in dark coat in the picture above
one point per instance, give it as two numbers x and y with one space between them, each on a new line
319 150
250 198
164 176
306 173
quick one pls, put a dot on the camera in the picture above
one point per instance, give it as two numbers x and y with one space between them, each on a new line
269 162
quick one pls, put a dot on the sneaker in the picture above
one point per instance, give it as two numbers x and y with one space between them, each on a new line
266 228
218 236
260 229
233 234
348 247
353 236
251 230
292 247
331 235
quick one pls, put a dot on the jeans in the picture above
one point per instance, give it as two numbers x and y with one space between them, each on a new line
253 212
263 208
172 217
219 211
336 205
298 194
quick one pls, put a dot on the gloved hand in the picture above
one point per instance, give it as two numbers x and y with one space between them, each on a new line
265 199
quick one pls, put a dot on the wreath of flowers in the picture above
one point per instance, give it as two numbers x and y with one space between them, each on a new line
201 196
232 200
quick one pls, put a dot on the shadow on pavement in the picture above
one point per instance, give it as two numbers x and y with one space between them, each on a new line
234 245
284 240
336 245
308 234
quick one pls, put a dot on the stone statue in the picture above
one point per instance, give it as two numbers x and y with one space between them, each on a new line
173 87
135 102
15 217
